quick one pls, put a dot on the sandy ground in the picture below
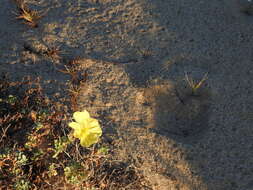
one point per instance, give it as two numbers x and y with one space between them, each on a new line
136 54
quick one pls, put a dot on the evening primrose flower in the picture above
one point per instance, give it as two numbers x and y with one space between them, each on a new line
86 129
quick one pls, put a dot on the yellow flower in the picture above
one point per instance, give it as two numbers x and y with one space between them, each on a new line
86 129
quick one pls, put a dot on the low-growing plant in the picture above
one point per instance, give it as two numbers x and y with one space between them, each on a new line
52 170
22 184
30 17
38 151
195 85
75 173
77 80
145 53
60 145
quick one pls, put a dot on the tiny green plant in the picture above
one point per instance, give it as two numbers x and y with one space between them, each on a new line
145 53
21 159
11 99
75 173
22 184
103 150
195 85
60 145
52 170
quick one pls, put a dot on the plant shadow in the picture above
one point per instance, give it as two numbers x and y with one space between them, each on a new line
177 113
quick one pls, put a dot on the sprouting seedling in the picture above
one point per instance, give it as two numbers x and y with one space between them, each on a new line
61 145
145 53
195 85
30 17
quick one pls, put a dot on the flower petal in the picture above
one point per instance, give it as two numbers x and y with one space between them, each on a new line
80 117
78 133
86 129
74 125
89 140
94 127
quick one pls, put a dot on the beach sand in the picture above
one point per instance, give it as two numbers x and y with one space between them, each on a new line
136 54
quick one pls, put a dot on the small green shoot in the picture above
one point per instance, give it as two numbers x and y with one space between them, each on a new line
145 53
75 173
22 184
103 150
60 145
195 85
52 170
